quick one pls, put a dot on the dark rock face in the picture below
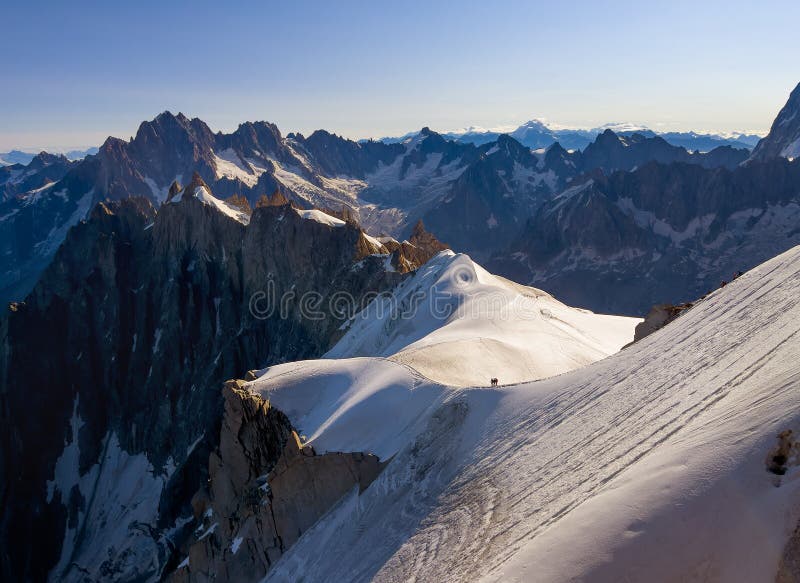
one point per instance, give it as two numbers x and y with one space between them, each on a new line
622 243
111 371
27 243
340 156
783 139
265 489
489 203
659 316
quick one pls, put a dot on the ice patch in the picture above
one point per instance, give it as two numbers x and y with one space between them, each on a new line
56 236
228 165
237 542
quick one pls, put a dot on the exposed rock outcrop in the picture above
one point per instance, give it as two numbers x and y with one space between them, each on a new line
783 139
659 316
265 489
414 252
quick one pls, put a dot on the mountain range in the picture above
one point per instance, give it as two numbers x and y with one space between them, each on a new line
538 134
495 201
24 158
132 457
491 189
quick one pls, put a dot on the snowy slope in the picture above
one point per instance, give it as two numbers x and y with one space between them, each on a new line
202 194
456 323
320 217
646 466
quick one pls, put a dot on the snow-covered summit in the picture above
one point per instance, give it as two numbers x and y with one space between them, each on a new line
456 323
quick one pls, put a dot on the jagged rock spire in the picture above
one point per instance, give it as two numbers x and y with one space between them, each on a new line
277 199
174 189
196 182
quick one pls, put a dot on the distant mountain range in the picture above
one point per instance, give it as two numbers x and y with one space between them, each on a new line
537 134
25 158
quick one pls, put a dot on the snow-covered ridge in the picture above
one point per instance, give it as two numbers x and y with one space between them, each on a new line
202 194
451 323
456 323
646 466
320 217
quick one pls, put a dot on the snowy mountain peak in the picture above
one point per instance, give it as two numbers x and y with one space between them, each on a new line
534 124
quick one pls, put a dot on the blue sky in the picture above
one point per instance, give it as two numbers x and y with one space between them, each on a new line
76 72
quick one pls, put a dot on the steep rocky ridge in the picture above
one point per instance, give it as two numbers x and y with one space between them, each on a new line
783 139
611 151
265 489
111 370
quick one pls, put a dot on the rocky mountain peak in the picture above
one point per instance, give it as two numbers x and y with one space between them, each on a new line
534 134
607 137
420 247
512 147
260 136
783 139
196 182
276 199
422 238
174 189
43 159
176 131
555 155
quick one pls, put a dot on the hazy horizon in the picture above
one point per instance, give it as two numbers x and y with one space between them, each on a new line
96 70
